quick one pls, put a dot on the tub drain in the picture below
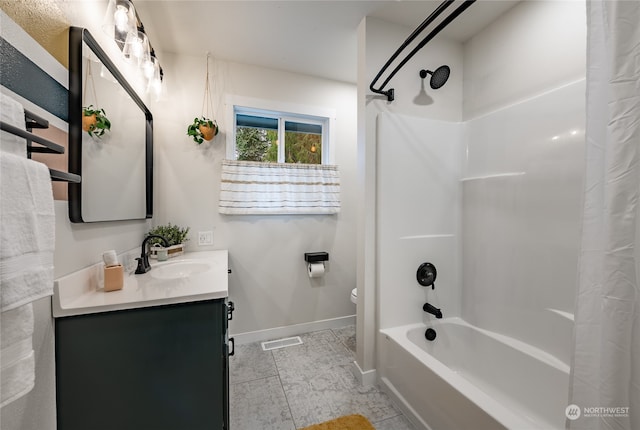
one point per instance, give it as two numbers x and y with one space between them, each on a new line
430 334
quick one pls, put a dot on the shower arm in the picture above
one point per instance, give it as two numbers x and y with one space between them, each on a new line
390 94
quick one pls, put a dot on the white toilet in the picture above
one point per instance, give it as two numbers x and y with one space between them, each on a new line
354 296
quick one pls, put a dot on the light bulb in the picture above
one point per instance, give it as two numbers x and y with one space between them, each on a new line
148 68
155 87
121 18
136 47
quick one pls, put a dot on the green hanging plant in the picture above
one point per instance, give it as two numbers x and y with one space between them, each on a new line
202 129
95 121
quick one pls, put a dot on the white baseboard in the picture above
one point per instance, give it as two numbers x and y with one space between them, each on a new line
406 409
292 330
364 377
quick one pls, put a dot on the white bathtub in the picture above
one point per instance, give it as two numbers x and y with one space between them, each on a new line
469 378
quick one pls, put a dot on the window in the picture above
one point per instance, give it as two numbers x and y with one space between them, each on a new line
278 160
280 137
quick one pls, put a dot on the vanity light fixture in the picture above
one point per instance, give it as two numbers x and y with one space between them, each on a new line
149 65
123 24
119 21
136 47
153 73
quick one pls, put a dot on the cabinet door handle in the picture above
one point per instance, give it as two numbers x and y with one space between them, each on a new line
230 308
232 342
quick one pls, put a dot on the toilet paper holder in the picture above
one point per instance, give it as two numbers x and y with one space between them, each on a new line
316 257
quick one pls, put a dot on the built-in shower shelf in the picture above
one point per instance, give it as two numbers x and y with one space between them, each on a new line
497 175
563 314
426 236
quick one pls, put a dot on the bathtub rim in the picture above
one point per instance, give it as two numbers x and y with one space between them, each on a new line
488 404
530 350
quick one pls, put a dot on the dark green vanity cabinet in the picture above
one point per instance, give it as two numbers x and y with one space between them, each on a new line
163 367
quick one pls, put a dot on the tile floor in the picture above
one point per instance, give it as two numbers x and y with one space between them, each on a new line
297 386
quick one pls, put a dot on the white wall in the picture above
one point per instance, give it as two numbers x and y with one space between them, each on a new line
534 47
269 284
378 40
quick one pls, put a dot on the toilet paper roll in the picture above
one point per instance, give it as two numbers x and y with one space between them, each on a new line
316 270
110 258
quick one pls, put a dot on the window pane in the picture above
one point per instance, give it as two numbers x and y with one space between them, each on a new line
302 127
303 143
256 144
256 122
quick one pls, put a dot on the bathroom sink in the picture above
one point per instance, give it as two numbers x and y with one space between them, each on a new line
179 269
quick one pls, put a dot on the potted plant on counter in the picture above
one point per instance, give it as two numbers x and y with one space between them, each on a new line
175 235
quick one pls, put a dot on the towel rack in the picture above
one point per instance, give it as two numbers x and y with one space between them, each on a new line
34 121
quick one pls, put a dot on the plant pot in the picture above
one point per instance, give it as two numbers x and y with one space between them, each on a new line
172 251
89 122
208 132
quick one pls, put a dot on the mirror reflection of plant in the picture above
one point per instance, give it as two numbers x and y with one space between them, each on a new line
95 121
202 129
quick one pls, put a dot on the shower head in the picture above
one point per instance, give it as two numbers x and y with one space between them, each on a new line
438 77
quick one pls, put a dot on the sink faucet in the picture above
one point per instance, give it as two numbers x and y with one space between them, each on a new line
143 261
432 310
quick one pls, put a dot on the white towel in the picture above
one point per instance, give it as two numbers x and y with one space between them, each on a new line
17 366
27 231
12 113
27 241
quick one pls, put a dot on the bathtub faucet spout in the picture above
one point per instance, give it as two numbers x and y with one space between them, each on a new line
432 310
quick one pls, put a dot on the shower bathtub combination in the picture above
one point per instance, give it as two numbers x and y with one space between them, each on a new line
470 378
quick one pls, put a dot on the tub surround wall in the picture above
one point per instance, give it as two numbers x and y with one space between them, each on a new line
378 40
521 230
532 48
524 102
418 207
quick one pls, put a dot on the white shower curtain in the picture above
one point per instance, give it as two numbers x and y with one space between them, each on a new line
605 382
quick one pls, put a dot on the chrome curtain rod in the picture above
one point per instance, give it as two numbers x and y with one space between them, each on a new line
432 17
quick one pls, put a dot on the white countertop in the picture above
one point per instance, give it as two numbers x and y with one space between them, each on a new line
81 292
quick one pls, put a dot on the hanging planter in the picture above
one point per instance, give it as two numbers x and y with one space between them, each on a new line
94 120
204 128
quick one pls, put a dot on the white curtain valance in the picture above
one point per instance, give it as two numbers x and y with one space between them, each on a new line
250 188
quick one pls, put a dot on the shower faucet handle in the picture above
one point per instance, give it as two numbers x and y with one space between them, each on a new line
426 275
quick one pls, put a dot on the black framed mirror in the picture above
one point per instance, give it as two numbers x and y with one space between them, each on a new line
117 167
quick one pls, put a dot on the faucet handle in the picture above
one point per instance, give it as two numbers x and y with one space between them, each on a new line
141 267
